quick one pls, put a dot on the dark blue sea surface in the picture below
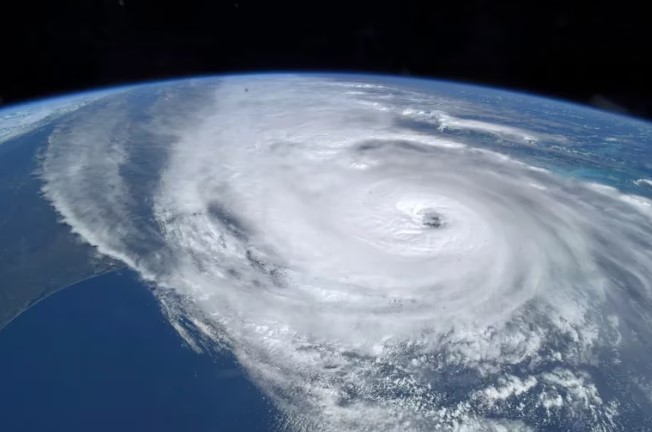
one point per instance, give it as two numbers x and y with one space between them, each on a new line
100 356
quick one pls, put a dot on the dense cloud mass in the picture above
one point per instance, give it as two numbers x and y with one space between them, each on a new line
372 265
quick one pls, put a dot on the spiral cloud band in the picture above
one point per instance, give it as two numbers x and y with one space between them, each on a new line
370 262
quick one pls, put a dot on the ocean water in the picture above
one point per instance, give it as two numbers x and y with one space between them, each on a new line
100 356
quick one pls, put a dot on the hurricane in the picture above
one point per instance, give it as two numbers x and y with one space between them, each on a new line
371 265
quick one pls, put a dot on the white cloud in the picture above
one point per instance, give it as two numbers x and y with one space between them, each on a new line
326 279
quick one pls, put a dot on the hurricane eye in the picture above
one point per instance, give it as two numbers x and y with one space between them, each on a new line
432 219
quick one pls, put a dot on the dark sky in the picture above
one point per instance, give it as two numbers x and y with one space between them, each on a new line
595 52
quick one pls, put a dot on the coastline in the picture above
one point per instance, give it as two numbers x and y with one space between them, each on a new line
49 294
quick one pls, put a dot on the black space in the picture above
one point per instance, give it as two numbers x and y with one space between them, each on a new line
595 52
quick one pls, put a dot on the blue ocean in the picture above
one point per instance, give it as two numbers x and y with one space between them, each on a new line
100 356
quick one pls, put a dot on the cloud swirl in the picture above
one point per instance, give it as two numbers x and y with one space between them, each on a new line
372 265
